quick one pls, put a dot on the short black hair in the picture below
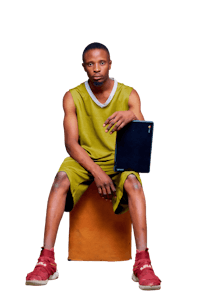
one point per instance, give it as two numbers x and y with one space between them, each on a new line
95 46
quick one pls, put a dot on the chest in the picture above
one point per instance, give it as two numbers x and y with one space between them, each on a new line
102 97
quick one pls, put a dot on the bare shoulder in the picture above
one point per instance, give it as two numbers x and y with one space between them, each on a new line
134 104
68 103
70 121
134 97
134 93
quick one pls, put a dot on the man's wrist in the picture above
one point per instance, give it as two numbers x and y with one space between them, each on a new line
95 170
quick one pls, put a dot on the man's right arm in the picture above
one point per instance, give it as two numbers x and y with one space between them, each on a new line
70 124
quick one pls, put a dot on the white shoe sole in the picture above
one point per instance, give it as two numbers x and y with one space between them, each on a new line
42 282
145 287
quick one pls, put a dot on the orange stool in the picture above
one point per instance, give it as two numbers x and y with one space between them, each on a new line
96 233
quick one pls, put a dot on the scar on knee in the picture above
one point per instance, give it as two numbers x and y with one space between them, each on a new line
56 185
136 186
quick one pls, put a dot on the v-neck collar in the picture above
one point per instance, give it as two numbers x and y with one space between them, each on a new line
95 99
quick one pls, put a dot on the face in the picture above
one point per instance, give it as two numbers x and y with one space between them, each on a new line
97 65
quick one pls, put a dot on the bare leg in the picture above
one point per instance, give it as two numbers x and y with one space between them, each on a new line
137 208
55 208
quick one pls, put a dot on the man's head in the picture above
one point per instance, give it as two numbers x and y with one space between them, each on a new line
97 63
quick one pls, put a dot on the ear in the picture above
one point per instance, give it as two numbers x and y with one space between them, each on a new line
110 64
83 66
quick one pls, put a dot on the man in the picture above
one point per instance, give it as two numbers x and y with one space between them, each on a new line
89 108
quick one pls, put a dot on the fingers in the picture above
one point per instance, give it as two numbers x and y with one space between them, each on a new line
113 190
118 123
107 192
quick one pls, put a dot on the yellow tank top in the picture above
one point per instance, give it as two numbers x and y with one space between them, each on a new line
91 115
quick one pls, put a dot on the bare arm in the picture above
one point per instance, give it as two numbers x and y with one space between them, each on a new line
134 104
70 124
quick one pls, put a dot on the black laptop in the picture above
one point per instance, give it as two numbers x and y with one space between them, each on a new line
133 147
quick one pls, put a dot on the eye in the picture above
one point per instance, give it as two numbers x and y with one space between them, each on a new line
102 62
90 64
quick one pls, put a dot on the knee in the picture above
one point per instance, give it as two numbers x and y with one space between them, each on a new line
131 183
61 181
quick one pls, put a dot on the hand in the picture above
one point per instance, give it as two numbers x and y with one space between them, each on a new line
105 185
121 118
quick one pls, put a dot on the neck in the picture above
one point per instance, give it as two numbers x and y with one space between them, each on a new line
99 89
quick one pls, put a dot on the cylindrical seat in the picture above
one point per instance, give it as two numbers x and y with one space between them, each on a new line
96 233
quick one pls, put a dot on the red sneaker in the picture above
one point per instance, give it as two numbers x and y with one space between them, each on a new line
143 272
46 269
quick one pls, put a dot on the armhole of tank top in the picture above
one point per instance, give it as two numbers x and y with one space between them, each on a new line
129 90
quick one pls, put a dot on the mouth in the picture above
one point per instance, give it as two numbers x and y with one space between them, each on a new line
97 77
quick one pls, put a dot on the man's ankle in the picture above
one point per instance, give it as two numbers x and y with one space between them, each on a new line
51 249
140 249
48 247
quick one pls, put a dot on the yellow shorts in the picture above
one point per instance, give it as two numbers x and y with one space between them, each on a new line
80 179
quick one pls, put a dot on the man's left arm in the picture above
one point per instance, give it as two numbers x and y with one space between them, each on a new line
121 118
134 104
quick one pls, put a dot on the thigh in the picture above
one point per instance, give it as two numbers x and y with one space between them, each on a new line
79 179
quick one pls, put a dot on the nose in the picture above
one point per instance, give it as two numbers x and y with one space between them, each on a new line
96 67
